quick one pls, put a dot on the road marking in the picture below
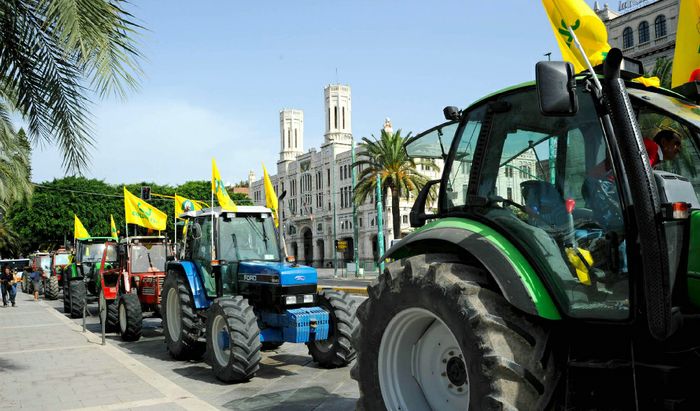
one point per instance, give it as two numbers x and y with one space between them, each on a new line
171 391
31 326
70 347
124 405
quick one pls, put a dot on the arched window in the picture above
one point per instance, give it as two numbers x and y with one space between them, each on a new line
296 144
643 32
660 26
335 119
627 38
343 117
329 118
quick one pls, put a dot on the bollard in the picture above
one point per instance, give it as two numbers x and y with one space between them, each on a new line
103 332
84 313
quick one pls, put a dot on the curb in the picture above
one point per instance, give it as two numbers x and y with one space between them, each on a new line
350 290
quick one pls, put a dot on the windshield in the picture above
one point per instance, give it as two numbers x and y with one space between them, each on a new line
433 143
91 253
248 238
147 258
45 262
60 259
687 111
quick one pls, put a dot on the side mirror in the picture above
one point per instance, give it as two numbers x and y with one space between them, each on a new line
556 88
417 216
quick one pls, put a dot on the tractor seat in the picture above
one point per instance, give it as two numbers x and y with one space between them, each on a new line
545 200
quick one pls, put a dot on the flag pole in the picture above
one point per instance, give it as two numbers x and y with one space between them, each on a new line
585 58
212 223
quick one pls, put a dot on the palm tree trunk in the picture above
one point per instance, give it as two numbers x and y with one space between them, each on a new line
396 212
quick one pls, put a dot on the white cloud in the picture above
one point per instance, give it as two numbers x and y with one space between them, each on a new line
165 142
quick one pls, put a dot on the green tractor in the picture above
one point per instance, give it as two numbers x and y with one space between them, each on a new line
559 269
81 275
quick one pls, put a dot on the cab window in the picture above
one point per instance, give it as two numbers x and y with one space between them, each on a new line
548 184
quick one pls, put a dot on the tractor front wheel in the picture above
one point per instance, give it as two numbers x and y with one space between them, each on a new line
337 350
51 289
433 336
179 319
233 339
108 313
76 300
130 317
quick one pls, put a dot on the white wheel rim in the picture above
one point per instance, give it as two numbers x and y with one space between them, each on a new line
122 317
421 366
172 313
102 304
221 340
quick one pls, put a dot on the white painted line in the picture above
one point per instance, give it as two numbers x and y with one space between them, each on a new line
171 391
31 326
125 405
70 347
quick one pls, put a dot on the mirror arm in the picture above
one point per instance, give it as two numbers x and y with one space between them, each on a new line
417 216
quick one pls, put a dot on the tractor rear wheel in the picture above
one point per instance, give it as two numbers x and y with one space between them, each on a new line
76 301
233 339
179 319
51 289
337 350
130 317
108 313
432 336
66 298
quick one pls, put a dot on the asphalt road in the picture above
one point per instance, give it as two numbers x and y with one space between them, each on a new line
287 380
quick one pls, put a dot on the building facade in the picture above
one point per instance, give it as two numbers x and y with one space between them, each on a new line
642 29
317 208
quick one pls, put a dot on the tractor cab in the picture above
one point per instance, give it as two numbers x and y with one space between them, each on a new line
245 258
88 256
59 260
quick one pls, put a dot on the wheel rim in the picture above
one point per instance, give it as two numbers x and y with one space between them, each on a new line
221 340
102 304
122 317
173 314
421 365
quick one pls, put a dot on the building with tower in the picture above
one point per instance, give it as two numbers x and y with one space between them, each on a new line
317 209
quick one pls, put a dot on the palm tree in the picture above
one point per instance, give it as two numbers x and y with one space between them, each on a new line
387 158
14 164
662 69
52 54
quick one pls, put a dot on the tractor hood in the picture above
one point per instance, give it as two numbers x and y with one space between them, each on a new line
275 272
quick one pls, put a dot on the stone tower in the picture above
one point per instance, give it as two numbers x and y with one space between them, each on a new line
338 109
291 134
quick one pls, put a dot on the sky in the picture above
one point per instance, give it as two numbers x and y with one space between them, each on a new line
217 73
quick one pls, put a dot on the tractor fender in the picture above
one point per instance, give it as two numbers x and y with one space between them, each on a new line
189 271
515 277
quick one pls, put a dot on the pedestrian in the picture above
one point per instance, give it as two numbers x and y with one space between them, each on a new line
7 286
665 146
35 276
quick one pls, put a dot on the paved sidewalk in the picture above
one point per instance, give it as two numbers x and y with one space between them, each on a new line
48 363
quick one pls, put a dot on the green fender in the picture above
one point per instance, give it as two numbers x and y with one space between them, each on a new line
515 276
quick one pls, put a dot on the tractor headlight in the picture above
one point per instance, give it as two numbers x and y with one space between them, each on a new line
290 299
308 298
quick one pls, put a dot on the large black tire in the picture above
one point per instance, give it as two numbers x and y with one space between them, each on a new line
78 294
108 313
237 357
92 287
337 350
508 362
181 338
130 317
66 298
51 289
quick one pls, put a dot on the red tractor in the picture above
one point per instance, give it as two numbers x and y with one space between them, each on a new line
130 281
60 259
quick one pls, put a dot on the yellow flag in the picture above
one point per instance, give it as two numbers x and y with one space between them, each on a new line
141 213
183 205
648 81
587 26
270 195
218 188
113 228
79 230
686 58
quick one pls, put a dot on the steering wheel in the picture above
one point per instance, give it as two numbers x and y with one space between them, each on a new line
526 210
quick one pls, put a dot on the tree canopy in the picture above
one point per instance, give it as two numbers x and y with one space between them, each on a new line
46 220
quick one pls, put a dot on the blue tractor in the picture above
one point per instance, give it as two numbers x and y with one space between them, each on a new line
232 295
